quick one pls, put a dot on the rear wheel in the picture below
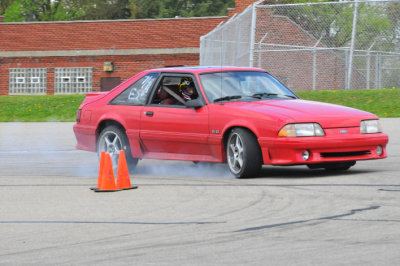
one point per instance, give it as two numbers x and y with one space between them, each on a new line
112 140
243 153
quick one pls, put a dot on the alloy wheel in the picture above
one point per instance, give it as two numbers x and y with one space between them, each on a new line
235 153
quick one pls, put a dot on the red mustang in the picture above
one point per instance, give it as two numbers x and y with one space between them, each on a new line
242 116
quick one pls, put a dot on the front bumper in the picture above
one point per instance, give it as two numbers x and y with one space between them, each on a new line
329 148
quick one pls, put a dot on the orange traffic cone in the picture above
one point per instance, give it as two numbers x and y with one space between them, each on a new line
107 182
123 179
101 170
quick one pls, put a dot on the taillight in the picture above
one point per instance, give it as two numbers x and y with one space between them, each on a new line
78 115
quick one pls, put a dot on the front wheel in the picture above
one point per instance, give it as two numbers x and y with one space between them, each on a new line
243 153
112 140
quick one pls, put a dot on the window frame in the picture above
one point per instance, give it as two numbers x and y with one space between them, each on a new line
174 74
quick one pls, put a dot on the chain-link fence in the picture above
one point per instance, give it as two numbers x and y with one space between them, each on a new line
314 46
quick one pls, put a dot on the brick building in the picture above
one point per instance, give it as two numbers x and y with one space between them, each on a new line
83 56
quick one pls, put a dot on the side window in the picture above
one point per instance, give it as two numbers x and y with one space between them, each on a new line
175 90
136 94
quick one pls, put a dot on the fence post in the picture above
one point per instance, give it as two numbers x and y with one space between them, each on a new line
379 55
259 49
253 33
368 68
353 36
369 65
346 67
237 46
223 47
314 74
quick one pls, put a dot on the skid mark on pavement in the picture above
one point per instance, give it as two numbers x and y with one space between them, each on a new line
105 222
352 212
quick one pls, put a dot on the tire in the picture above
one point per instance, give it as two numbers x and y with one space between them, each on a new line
340 166
243 153
112 139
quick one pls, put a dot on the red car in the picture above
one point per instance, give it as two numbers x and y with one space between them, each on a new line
242 116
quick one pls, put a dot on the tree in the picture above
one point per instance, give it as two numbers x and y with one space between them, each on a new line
51 10
393 14
334 23
100 9
42 10
4 4
181 8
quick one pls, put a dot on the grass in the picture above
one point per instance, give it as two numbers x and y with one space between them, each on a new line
39 108
382 102
47 108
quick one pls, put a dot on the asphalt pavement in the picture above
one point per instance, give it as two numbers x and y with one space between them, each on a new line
187 214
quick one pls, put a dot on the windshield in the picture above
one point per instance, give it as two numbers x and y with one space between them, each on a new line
244 85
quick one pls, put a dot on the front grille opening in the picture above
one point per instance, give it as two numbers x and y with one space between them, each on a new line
344 154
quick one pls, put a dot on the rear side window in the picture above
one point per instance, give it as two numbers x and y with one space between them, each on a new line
137 93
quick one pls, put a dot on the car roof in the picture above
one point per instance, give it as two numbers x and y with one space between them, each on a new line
204 69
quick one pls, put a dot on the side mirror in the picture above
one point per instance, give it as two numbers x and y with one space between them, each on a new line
196 103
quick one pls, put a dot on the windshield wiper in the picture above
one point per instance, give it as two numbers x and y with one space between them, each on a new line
264 94
228 98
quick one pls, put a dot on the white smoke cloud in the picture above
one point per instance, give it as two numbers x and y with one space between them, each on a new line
183 169
48 149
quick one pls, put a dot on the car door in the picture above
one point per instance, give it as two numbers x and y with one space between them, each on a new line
127 107
173 130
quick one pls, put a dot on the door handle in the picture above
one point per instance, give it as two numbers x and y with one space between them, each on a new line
149 113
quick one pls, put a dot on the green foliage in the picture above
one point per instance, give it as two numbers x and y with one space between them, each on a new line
393 11
4 4
42 10
334 22
53 10
100 9
372 24
182 8
13 13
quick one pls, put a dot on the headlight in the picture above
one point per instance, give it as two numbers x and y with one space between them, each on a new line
301 130
370 126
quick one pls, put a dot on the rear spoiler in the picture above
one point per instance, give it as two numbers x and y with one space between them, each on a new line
93 96
96 93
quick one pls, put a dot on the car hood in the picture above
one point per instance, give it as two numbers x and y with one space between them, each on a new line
302 111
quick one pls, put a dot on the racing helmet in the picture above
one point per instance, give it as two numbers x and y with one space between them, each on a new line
184 84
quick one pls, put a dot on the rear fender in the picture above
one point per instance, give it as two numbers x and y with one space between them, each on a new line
132 135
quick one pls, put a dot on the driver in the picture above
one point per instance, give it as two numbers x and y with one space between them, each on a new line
186 88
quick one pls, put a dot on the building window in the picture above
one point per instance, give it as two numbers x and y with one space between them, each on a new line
81 79
35 80
20 80
65 79
72 80
27 81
